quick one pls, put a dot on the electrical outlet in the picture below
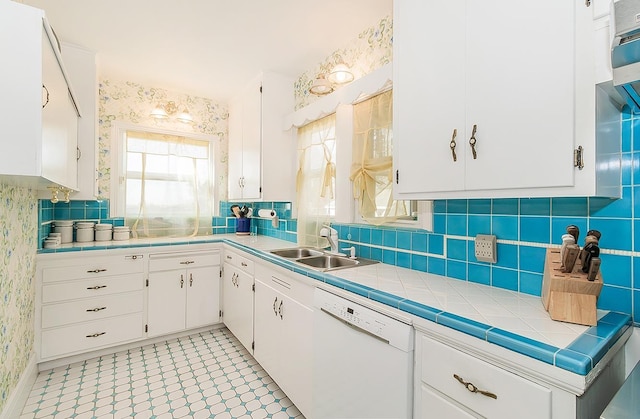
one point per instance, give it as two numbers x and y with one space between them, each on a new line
486 248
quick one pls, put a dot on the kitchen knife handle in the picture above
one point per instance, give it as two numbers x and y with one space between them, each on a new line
570 256
594 267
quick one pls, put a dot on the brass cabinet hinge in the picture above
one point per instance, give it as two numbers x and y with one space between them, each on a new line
587 3
578 158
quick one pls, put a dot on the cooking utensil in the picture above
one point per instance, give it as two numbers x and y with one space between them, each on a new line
235 209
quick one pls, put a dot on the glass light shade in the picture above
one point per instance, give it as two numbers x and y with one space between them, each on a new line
321 86
185 117
159 113
340 74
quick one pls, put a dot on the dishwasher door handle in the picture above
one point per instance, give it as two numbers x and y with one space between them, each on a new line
354 327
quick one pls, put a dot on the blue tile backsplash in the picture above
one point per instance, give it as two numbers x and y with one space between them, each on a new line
524 228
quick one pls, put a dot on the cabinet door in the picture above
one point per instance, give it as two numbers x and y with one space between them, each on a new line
436 405
429 95
203 296
296 352
237 304
268 329
520 93
252 141
166 302
235 149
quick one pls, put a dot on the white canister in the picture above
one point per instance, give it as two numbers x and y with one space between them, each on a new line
103 232
121 233
84 232
65 228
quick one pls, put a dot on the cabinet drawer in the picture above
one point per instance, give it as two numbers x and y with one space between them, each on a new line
440 362
239 261
91 287
287 284
95 267
89 309
171 261
87 336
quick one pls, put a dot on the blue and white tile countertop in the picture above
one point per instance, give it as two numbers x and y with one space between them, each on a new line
506 318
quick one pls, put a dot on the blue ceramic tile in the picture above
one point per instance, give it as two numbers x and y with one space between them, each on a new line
404 240
419 242
635 132
376 237
611 326
376 254
479 224
612 208
559 227
439 206
457 270
464 325
535 229
538 350
436 244
569 207
592 346
77 214
457 224
62 213
615 298
532 259
385 298
403 259
626 163
505 227
419 310
505 206
436 266
365 235
531 283
457 249
626 135
92 213
573 361
439 223
635 157
419 263
365 252
507 256
457 206
479 206
504 278
480 274
615 233
535 206
389 256
355 233
358 289
616 270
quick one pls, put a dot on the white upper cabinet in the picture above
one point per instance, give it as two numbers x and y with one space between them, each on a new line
261 153
39 119
491 100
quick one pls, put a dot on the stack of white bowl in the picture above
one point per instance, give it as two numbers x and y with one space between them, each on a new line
103 232
53 241
65 228
84 231
121 233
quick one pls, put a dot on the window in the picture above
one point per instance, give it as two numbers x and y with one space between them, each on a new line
372 162
165 186
315 179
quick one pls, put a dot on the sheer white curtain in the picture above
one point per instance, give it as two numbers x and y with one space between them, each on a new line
315 180
168 185
372 167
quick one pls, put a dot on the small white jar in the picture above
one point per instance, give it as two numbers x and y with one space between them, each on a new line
103 232
65 228
84 232
121 233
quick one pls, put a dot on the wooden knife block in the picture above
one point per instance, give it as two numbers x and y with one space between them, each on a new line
569 297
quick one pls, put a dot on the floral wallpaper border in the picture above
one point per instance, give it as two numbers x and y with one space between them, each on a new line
18 236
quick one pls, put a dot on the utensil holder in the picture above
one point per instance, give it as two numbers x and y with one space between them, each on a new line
243 226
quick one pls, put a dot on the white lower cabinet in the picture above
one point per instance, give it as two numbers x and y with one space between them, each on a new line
86 303
284 332
183 291
237 296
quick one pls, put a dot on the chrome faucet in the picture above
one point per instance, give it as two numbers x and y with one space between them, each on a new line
331 234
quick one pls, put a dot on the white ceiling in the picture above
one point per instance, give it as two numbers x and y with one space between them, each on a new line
209 48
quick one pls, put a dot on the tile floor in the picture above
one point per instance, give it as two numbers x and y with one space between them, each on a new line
206 375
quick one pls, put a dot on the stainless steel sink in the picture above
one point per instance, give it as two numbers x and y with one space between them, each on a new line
297 252
320 260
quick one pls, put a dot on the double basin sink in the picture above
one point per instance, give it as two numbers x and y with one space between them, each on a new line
321 260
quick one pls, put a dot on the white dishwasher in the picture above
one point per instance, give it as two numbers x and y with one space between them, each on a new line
363 361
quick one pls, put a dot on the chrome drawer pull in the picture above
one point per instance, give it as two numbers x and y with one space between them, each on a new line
472 388
95 335
187 262
134 257
244 264
97 287
96 271
96 309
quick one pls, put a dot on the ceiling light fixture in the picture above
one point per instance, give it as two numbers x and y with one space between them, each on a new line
340 74
168 109
321 86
